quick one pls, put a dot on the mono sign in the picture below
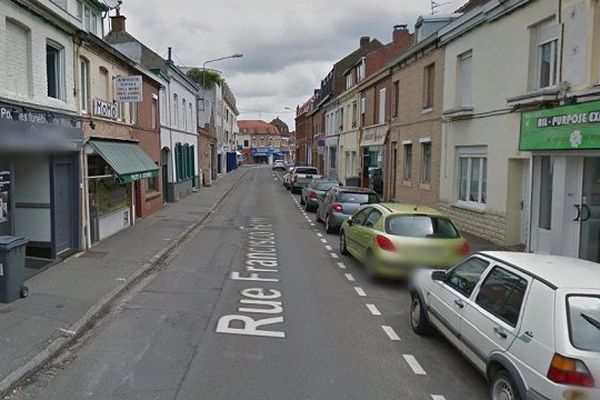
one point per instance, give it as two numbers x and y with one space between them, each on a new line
128 89
105 109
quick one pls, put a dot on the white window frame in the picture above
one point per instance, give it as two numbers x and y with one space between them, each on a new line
553 63
59 70
154 111
348 81
464 95
84 82
472 155
183 114
426 180
175 110
381 105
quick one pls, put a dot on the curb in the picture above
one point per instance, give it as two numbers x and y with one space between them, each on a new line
102 306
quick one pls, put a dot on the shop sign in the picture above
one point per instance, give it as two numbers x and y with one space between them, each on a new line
21 114
21 136
374 136
575 127
4 191
260 151
128 89
138 176
105 109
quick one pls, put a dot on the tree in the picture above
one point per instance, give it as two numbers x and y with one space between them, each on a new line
205 78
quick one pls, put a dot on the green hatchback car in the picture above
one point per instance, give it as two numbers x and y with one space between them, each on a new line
391 240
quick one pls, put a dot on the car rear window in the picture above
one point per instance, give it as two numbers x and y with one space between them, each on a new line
421 227
312 171
327 185
358 198
584 322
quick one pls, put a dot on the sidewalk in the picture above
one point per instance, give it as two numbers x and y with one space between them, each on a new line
73 294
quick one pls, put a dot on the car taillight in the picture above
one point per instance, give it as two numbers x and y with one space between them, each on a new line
569 371
464 249
313 195
337 207
384 243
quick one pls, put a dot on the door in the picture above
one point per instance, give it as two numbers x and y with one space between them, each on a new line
354 233
447 299
590 210
491 320
64 206
165 160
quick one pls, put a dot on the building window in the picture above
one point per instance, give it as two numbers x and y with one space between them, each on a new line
246 144
175 111
54 71
428 86
546 173
472 178
79 10
183 110
18 60
94 24
354 113
407 171
154 111
396 98
361 70
133 113
547 62
426 162
348 81
363 109
104 84
191 116
465 78
87 22
381 110
332 157
84 83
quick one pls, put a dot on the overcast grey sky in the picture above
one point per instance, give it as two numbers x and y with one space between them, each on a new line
288 46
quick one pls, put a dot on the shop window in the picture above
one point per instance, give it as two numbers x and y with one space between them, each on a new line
407 170
54 70
151 185
106 193
84 83
428 86
546 173
426 162
472 178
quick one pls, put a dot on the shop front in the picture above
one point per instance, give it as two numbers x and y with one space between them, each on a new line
112 169
372 145
565 199
39 181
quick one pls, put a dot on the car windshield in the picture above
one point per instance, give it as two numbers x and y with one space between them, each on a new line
421 226
584 322
312 171
326 185
358 198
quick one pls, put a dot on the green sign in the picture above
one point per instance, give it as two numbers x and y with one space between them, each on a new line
575 127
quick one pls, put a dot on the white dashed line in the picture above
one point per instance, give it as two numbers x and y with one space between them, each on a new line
373 309
333 255
390 332
311 224
328 247
437 397
350 277
360 291
319 234
414 364
342 265
324 240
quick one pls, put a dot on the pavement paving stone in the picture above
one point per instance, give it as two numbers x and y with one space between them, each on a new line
62 295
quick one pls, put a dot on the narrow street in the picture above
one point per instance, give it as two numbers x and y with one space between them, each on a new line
342 336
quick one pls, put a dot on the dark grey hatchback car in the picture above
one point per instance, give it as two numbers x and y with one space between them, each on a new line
315 192
340 203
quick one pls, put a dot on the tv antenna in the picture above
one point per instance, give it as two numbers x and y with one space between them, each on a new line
435 6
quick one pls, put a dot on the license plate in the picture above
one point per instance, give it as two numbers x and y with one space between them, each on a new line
308 176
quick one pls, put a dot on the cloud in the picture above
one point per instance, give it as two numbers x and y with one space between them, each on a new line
288 46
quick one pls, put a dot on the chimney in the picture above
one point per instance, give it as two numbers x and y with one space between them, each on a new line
170 57
401 37
364 41
117 22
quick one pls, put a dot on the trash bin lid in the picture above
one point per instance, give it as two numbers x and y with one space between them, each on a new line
10 242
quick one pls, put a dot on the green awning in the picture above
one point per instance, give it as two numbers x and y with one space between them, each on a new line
127 159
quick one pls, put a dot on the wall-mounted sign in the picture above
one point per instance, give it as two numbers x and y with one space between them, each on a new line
575 127
105 109
128 89
19 113
4 191
374 136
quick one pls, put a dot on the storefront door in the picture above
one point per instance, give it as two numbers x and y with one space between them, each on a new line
590 210
64 206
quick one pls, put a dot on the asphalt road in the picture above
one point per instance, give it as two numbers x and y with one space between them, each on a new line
257 306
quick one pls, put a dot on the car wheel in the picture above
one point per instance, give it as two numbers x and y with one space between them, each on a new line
343 248
319 216
306 207
302 200
502 387
418 319
328 227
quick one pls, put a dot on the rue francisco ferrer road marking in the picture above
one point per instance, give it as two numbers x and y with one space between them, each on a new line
414 364
390 332
373 309
360 291
260 266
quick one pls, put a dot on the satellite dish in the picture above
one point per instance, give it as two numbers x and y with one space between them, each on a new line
112 3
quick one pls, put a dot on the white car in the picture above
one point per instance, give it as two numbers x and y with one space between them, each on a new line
278 164
529 322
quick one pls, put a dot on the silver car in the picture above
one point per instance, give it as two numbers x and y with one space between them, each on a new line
342 202
314 192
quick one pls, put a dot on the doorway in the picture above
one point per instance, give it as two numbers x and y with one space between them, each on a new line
164 168
590 210
64 205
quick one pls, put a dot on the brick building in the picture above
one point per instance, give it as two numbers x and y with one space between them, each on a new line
261 142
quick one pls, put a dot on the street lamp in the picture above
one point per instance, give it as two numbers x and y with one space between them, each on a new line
237 55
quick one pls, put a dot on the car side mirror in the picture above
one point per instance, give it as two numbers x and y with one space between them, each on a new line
350 221
439 276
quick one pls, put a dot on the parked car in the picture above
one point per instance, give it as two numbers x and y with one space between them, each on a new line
314 192
340 203
286 177
529 322
392 240
278 164
301 177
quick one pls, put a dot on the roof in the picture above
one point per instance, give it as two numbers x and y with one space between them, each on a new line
256 126
412 209
562 272
148 58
